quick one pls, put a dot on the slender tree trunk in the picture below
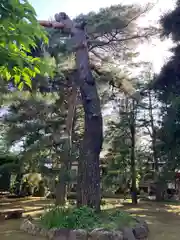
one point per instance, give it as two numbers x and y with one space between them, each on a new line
159 192
133 172
155 158
159 188
79 188
62 186
133 162
18 181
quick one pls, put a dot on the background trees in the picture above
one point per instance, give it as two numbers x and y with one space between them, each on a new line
47 118
167 89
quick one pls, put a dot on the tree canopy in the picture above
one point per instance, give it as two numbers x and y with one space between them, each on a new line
48 118
20 31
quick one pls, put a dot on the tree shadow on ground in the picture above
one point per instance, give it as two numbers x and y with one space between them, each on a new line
9 230
163 219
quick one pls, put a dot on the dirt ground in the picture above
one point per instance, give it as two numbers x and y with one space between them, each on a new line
163 219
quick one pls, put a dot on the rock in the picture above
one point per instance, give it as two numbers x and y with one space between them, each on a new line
51 233
60 234
128 234
23 226
43 232
32 229
117 235
79 234
29 227
26 225
140 231
145 225
142 223
101 235
36 231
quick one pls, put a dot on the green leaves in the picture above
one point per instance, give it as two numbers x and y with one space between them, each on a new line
19 31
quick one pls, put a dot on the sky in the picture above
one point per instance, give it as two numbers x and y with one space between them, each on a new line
156 52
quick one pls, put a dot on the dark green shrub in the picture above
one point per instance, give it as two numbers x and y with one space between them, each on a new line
71 218
84 218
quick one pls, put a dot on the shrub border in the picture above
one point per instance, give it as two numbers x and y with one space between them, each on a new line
140 232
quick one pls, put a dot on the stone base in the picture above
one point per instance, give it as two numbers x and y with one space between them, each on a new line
140 232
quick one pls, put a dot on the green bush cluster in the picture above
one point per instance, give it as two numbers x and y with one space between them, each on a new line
71 218
84 218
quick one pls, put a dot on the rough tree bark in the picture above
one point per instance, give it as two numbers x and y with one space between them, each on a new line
92 143
89 170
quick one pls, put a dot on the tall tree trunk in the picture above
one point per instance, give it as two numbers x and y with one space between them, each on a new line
159 189
153 135
133 163
89 168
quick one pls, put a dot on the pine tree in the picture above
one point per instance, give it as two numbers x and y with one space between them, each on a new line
167 88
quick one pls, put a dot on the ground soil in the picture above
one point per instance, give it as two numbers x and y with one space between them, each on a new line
163 219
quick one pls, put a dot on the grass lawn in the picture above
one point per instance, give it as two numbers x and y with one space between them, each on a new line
163 219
